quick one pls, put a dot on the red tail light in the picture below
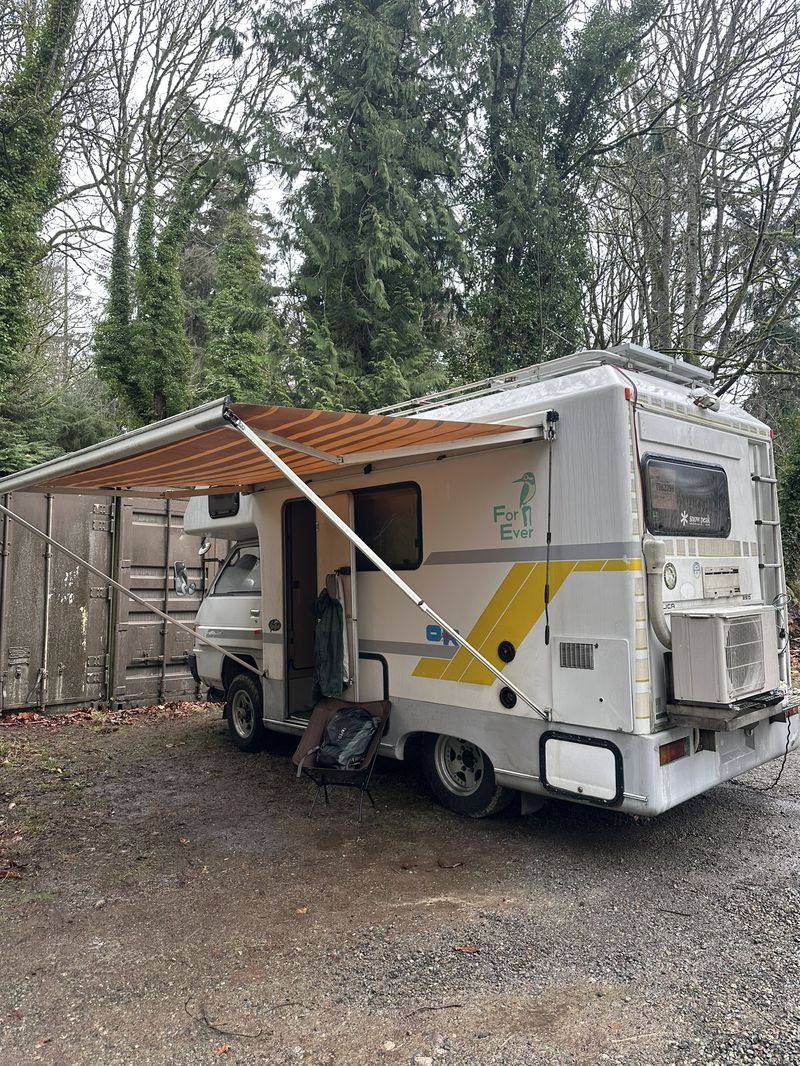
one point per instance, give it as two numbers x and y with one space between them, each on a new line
676 749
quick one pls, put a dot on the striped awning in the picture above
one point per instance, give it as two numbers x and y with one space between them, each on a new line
197 453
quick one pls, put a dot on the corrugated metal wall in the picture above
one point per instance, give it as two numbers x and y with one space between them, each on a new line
66 639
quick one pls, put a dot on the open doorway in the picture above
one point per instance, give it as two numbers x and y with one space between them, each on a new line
316 555
300 584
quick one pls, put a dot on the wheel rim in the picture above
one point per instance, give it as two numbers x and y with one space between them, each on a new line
460 765
243 714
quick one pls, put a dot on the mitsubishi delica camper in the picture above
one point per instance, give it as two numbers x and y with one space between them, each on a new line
568 580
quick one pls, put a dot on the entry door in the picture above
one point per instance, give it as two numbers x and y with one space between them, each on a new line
335 553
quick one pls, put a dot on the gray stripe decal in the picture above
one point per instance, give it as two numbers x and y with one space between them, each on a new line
232 633
618 549
235 633
396 647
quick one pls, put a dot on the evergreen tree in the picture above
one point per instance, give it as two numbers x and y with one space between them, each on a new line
29 180
245 344
547 94
380 137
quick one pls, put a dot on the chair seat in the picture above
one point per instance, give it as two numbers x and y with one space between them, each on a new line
359 776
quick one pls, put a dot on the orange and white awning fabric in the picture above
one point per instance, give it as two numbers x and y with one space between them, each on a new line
199 452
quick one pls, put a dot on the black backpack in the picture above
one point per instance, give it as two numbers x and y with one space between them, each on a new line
346 739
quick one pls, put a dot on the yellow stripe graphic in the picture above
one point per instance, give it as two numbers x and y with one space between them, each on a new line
511 614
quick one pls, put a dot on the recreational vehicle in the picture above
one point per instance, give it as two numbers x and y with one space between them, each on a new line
567 580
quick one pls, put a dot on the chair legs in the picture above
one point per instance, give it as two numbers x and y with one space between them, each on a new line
363 788
365 792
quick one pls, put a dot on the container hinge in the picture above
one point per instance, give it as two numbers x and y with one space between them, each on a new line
103 518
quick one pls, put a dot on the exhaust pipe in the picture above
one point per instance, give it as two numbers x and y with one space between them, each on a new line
655 553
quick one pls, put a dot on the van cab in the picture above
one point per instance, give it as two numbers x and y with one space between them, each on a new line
230 613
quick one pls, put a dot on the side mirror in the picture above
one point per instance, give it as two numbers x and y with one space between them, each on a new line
205 546
183 586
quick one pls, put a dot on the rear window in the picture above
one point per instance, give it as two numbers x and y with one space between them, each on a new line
686 498
241 574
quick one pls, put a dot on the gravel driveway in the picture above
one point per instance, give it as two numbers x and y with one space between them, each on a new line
165 899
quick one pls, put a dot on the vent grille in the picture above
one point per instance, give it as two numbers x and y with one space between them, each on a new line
744 654
574 656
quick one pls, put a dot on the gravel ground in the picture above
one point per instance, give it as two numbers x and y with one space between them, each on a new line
165 900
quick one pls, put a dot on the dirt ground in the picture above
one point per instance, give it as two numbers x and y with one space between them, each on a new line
165 899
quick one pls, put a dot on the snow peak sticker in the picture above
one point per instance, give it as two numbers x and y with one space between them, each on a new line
516 524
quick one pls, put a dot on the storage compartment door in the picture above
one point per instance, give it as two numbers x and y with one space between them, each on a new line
581 767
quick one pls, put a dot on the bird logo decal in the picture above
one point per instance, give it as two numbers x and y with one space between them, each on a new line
528 487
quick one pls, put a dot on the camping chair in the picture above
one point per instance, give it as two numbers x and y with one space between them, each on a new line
358 777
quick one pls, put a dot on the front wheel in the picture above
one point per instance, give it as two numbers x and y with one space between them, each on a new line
245 713
460 776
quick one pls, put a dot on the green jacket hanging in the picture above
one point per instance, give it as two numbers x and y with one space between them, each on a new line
328 647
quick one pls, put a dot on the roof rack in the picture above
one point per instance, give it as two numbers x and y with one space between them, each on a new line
627 356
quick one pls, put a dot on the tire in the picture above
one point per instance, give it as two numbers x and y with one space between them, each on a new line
245 713
461 777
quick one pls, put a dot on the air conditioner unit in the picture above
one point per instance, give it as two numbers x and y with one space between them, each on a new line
724 657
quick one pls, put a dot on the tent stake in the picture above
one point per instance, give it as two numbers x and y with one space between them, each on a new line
239 424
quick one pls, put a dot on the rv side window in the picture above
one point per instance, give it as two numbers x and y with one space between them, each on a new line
241 574
686 498
389 519
223 505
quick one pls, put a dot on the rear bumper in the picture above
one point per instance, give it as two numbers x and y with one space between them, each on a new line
715 757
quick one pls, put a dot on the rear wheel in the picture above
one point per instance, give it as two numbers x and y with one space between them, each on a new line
245 713
461 776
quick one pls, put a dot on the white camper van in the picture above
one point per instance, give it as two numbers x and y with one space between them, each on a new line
568 580
622 566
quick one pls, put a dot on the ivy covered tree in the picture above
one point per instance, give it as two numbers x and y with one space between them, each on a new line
246 350
113 337
30 175
142 350
162 357
379 145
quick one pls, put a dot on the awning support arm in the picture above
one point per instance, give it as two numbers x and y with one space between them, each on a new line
127 592
240 425
296 446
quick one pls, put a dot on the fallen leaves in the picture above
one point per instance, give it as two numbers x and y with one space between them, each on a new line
223 1049
103 718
